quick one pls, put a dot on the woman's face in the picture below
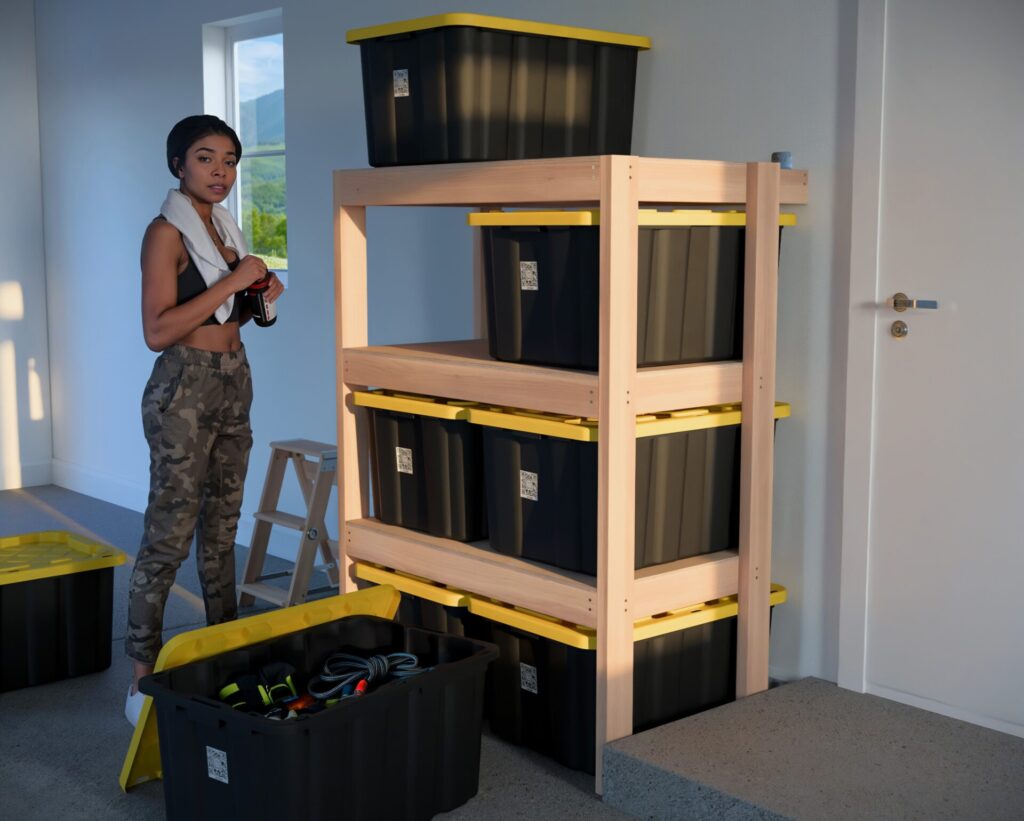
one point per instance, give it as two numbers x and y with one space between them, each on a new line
209 169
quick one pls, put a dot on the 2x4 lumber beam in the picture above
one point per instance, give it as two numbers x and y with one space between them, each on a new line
616 460
564 181
546 590
462 370
758 428
350 312
684 583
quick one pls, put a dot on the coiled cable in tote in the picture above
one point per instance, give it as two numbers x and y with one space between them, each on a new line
342 670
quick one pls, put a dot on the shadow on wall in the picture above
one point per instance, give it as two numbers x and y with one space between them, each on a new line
12 309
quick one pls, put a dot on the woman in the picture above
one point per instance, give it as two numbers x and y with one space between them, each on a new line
195 409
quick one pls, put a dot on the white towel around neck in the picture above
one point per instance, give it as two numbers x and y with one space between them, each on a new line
179 212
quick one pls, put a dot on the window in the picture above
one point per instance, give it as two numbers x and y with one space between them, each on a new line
244 80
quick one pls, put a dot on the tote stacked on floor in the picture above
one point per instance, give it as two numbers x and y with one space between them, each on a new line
56 607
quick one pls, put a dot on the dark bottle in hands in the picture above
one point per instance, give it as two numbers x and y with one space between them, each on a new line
264 312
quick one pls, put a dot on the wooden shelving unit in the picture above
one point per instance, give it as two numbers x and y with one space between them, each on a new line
619 595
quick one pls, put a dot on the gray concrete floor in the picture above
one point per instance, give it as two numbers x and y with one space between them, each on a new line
62 744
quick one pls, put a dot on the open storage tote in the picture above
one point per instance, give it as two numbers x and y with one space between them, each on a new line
56 607
407 749
142 761
541 483
469 87
542 272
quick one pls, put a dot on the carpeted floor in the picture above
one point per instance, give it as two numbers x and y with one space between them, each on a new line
62 744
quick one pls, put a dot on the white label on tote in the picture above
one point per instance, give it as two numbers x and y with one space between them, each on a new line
217 764
403 460
401 76
528 276
527 678
528 485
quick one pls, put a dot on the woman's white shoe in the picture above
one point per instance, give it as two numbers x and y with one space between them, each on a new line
133 706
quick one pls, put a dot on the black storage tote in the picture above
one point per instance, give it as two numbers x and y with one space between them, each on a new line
408 749
428 465
542 278
541 692
424 603
541 480
465 87
56 607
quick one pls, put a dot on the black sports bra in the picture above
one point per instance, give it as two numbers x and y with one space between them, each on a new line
191 284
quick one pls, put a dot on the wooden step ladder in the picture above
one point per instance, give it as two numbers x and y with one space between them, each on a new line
316 476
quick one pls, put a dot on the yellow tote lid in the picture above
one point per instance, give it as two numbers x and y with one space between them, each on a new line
586 430
509 24
413 403
42 555
413 585
585 638
646 217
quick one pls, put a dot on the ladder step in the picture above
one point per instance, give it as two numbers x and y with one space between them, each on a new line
279 518
307 447
266 592
280 574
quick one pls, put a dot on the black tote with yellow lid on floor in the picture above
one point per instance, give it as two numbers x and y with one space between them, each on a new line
542 280
541 481
471 87
56 607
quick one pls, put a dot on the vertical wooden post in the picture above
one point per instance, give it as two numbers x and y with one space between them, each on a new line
758 429
350 311
616 464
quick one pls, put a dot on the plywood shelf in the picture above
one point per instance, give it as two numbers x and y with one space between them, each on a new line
464 370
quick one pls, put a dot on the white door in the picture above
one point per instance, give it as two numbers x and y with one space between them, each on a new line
932 611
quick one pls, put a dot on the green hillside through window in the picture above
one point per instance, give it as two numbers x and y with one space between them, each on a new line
261 128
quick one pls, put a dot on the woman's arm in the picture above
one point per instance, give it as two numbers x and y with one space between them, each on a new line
164 322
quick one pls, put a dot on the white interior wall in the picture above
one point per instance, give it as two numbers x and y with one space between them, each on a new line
728 80
25 438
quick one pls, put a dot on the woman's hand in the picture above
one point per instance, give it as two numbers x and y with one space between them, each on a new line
250 269
275 288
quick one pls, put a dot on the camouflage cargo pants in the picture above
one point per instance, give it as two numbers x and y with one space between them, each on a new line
195 412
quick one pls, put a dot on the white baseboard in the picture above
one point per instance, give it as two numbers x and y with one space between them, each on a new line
958 713
32 474
104 486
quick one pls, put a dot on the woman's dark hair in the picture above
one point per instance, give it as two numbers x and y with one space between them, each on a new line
191 129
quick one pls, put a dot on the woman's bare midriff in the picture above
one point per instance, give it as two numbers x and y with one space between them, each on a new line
219 338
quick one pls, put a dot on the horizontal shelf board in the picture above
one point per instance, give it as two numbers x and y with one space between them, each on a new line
688 386
566 180
513 182
686 582
476 569
699 182
463 370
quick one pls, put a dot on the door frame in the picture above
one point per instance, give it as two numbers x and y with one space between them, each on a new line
862 344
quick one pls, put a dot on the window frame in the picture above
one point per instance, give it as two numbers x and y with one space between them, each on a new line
219 41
